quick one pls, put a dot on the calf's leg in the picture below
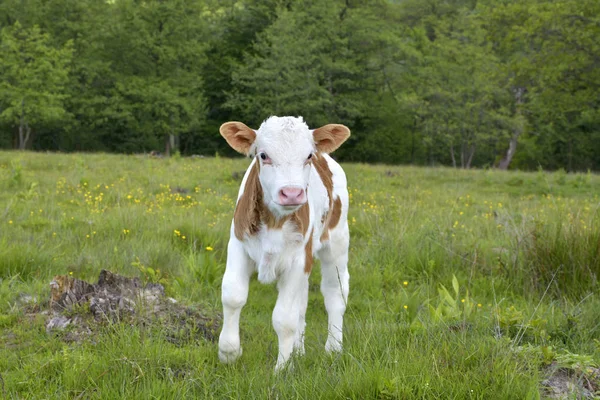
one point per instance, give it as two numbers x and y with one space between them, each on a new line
335 285
234 293
290 305
299 339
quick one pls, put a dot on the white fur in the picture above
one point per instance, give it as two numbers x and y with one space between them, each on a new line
278 254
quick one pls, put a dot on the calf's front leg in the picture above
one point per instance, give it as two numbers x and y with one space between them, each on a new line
335 287
234 293
287 315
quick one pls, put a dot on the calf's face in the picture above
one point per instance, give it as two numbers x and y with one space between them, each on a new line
284 148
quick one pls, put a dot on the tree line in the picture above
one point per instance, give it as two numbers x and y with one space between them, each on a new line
466 83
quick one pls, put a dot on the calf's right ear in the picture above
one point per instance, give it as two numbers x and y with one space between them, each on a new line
238 135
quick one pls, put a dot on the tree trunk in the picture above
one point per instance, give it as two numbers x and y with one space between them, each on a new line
22 127
24 134
570 155
514 139
27 134
452 155
470 159
21 135
512 147
412 143
169 144
170 139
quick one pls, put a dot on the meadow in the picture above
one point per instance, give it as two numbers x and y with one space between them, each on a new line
464 284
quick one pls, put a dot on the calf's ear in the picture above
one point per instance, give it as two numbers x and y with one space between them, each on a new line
329 137
238 135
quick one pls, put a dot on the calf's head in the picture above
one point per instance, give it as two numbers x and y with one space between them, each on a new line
284 148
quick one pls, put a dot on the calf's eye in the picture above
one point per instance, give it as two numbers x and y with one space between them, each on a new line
263 156
309 156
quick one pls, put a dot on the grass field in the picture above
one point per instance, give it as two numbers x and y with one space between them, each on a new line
524 306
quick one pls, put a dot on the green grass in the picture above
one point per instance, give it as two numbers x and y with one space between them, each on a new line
524 247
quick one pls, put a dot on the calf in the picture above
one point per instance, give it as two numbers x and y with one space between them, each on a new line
292 207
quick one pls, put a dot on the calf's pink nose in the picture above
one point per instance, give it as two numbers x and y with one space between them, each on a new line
291 196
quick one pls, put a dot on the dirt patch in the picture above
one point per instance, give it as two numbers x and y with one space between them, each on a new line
568 383
77 308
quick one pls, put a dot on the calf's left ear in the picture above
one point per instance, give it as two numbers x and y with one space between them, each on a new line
329 137
238 135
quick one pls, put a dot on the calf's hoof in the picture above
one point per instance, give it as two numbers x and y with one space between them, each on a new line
229 355
282 366
333 346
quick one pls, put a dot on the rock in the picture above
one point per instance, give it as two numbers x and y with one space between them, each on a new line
59 322
26 299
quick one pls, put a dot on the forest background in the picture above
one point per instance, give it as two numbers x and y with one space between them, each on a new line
465 83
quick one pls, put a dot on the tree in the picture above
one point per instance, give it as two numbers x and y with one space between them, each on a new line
551 56
284 75
318 59
33 75
157 53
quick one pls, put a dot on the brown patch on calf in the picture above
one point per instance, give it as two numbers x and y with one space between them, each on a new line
331 218
269 219
302 218
335 214
308 255
320 164
325 233
247 216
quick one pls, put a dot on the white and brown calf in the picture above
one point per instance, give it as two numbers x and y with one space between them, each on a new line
292 207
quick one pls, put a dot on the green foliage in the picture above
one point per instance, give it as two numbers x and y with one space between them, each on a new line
462 83
33 79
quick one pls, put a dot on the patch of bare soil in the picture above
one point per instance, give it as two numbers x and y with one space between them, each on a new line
567 383
77 308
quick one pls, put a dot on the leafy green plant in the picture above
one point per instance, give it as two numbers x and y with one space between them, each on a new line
203 266
150 274
16 172
30 193
452 307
